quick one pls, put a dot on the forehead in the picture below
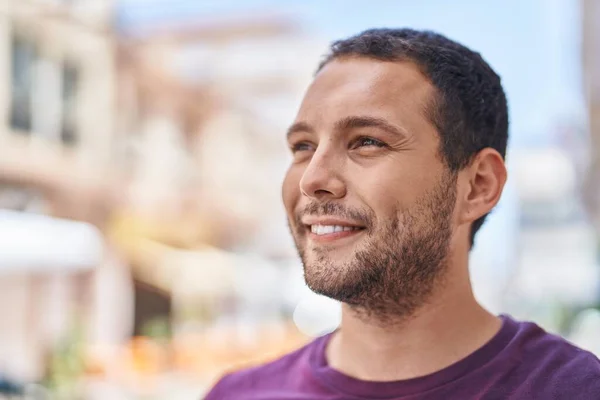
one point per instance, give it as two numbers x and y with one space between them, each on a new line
393 90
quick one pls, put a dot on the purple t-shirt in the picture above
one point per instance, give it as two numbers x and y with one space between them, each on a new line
522 362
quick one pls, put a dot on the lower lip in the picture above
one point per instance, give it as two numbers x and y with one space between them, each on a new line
330 237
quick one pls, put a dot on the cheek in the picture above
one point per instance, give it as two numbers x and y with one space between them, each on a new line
290 190
389 192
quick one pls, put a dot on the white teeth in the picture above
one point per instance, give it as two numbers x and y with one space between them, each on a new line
329 229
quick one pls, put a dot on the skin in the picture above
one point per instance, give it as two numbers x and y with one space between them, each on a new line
366 155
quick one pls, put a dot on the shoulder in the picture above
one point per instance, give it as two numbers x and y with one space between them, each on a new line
574 373
265 377
545 348
557 365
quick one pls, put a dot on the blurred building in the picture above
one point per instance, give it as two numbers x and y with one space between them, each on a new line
171 143
58 112
57 115
204 106
590 11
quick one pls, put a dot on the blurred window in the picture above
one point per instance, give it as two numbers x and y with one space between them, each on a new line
69 134
23 56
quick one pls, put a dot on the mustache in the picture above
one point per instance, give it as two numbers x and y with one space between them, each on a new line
365 217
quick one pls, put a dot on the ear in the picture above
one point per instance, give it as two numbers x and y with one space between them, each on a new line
484 181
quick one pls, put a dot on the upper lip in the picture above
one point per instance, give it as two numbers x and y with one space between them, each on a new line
329 221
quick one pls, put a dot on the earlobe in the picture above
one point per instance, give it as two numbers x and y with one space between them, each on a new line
486 178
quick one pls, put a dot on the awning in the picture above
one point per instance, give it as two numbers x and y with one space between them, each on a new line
39 243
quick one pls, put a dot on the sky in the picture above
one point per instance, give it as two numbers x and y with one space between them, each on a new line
533 45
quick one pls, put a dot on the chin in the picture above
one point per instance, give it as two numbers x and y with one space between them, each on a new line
329 279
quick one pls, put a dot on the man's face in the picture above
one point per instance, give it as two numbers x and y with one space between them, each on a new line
369 200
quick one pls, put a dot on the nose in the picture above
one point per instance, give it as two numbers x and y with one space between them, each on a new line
322 178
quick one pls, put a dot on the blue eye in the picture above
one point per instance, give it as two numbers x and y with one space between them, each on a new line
367 142
302 146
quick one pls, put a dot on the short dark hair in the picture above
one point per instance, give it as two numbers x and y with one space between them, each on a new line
469 108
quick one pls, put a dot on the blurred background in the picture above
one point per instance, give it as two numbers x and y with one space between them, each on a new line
143 247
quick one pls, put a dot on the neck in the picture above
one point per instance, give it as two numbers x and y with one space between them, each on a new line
449 327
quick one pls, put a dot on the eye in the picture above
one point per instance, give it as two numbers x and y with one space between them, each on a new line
300 146
367 142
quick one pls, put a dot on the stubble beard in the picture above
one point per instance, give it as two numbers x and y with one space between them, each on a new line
396 268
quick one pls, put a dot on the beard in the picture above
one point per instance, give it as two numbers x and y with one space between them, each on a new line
396 268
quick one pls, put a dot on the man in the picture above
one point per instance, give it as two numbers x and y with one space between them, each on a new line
398 156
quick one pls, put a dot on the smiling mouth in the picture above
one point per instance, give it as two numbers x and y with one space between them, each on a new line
321 230
328 233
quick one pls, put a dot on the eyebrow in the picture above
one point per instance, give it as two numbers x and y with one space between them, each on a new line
352 122
299 127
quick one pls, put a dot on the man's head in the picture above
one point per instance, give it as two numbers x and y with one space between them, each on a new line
398 147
